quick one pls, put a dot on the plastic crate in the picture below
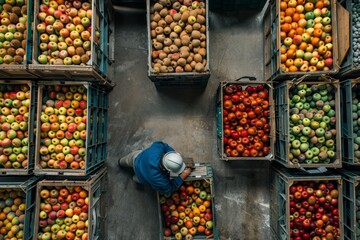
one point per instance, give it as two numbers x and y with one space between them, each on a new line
221 123
284 127
347 126
349 67
182 79
273 44
19 71
351 199
235 5
24 188
94 142
202 172
26 149
97 66
95 188
281 181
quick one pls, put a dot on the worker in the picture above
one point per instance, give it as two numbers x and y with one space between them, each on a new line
153 165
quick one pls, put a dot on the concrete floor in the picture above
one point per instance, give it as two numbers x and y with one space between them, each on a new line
185 118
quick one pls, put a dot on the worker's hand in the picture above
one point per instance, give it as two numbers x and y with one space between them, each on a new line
185 173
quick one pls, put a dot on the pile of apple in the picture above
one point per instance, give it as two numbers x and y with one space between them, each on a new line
178 34
12 213
13 30
65 32
306 35
63 213
314 211
187 212
312 123
246 125
63 127
356 121
14 120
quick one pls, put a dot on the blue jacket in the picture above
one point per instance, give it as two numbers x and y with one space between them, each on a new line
147 169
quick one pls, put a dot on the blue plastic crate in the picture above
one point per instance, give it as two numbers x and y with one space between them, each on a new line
272 57
96 187
26 189
348 128
96 128
281 181
283 125
17 86
96 69
202 172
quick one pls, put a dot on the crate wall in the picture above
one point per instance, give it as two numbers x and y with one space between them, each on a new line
95 142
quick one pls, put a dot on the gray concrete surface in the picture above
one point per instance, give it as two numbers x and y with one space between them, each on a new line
185 118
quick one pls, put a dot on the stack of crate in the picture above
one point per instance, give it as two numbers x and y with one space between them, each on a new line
316 118
55 70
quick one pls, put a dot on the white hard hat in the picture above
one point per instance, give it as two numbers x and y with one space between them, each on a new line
173 162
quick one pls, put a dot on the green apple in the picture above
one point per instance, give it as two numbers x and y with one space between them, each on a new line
306 131
315 151
295 144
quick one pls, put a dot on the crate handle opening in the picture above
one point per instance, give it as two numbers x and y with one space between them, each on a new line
251 78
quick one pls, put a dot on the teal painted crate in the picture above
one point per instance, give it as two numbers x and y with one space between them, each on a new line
20 71
91 142
23 188
283 105
282 180
202 172
351 204
95 187
274 70
235 5
96 68
349 125
23 164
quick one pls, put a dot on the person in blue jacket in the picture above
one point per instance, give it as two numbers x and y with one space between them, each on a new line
153 165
